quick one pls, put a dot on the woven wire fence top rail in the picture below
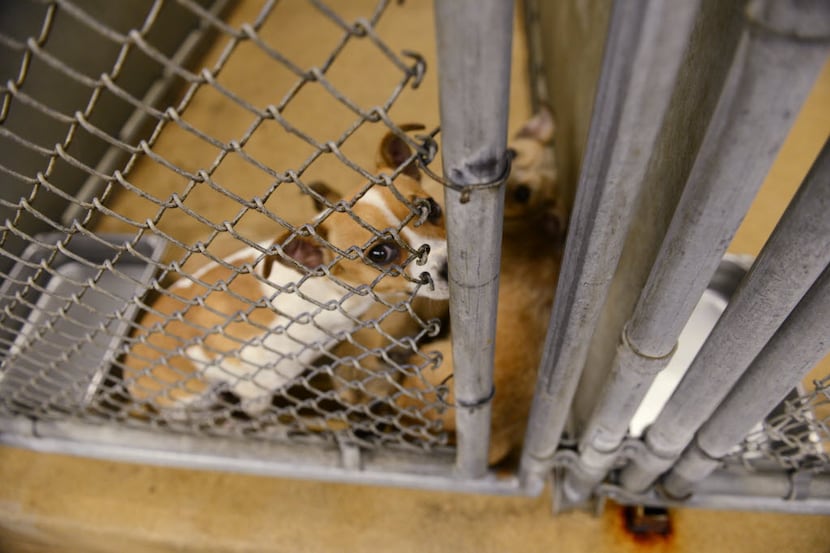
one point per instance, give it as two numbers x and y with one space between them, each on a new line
267 316
795 436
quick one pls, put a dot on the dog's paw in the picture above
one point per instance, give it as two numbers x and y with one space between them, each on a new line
255 406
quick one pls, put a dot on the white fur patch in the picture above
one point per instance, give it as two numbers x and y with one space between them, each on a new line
301 333
252 253
376 200
436 260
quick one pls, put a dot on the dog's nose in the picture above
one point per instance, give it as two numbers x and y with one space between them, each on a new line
444 272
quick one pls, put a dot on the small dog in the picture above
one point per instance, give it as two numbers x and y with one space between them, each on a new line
255 320
531 255
531 187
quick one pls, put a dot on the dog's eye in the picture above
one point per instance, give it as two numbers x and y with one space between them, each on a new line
434 211
521 194
383 253
512 153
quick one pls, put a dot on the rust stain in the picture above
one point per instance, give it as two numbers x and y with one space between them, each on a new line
644 528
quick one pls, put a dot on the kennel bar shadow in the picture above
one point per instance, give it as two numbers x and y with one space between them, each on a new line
223 249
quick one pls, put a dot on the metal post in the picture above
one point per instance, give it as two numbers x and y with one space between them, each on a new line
474 42
755 396
718 193
263 457
642 57
703 69
795 255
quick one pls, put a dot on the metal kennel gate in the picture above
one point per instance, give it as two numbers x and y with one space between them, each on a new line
692 105
77 297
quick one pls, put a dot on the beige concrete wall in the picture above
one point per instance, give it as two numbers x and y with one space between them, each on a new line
571 39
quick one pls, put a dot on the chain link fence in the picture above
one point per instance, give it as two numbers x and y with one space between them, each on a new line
795 436
165 266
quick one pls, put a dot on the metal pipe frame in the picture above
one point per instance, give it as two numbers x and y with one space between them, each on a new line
773 71
704 67
797 347
740 489
641 60
474 53
707 217
430 471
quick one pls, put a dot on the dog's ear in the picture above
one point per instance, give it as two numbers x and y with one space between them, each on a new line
302 249
323 191
539 127
305 251
394 151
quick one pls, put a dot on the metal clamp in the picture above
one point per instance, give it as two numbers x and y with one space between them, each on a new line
478 402
443 391
800 485
757 21
464 189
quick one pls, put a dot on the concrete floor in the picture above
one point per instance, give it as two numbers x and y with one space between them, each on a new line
56 503
52 503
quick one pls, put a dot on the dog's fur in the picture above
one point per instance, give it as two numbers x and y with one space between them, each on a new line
531 256
256 320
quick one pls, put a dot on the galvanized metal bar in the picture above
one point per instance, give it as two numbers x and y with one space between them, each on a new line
771 77
708 215
703 70
474 45
799 344
642 57
738 488
433 471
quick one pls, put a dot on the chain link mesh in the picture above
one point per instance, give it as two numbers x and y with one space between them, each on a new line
104 217
795 436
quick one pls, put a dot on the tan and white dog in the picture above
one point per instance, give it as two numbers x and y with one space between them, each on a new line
254 321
